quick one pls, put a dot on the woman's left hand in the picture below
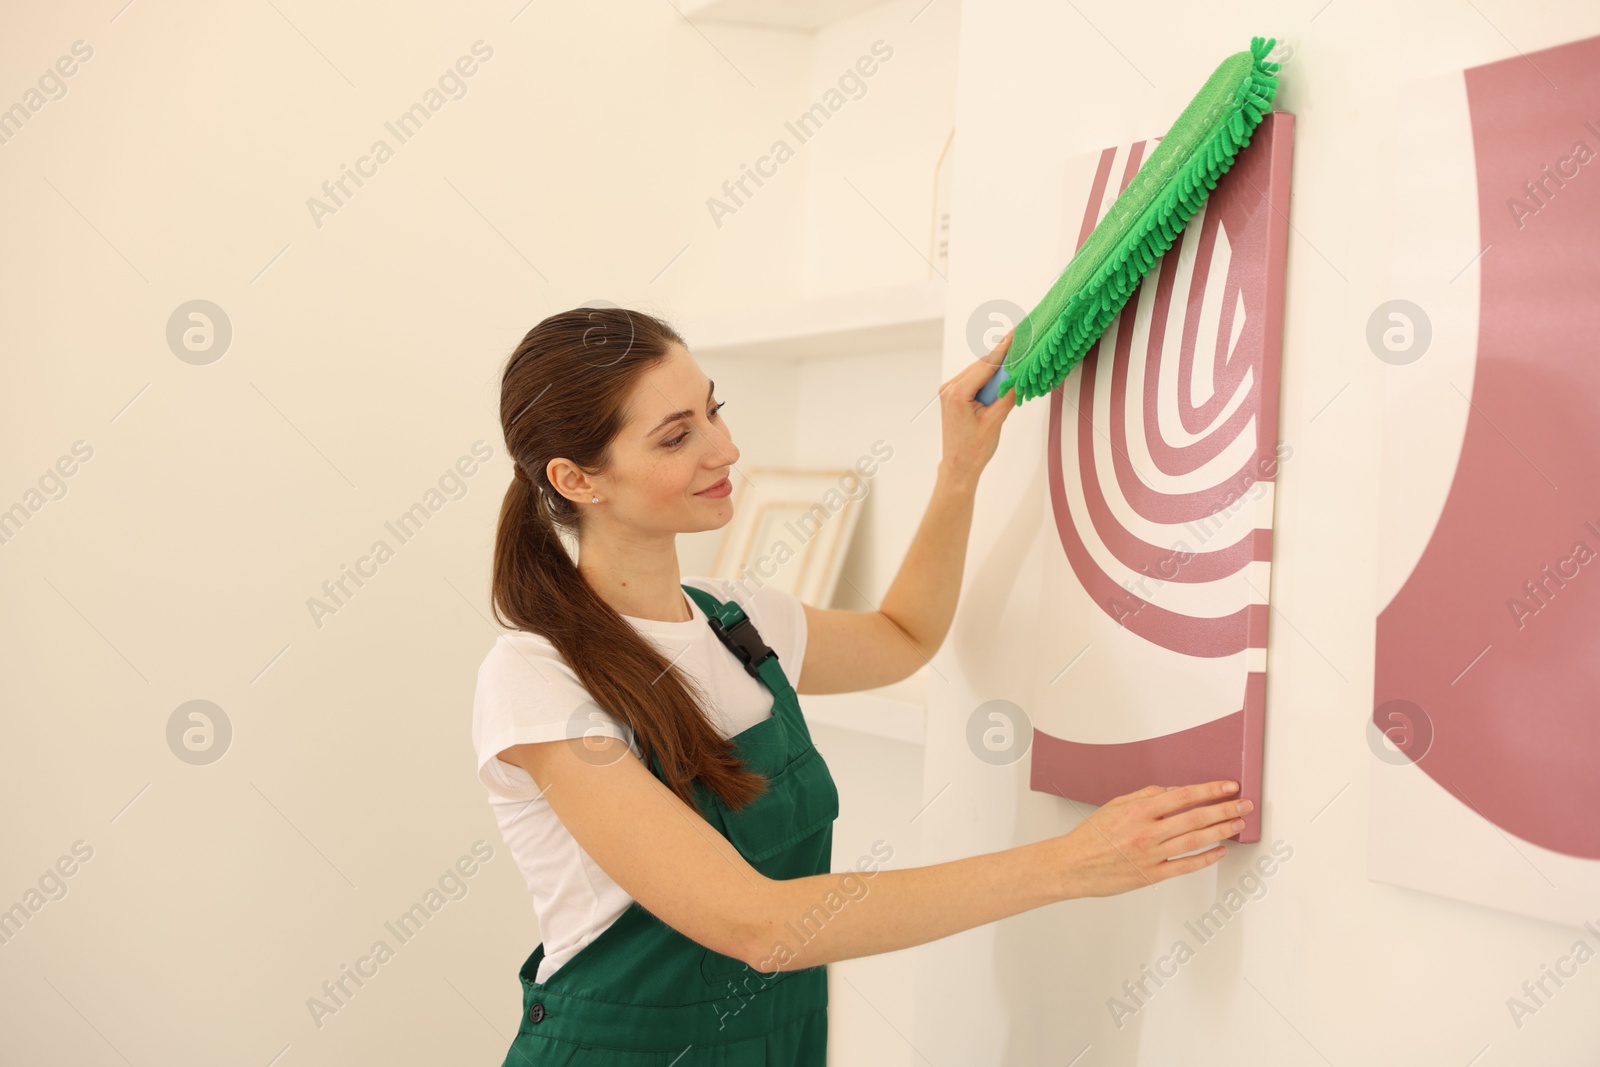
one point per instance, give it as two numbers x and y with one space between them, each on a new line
972 429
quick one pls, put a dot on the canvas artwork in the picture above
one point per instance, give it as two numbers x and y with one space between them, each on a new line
1486 701
1162 456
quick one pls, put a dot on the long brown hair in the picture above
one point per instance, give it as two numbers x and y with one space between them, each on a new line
562 394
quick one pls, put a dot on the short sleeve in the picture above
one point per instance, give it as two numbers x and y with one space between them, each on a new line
777 613
525 694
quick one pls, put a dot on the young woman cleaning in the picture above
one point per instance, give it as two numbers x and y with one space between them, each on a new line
643 746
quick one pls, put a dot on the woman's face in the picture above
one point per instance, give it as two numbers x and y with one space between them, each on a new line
673 446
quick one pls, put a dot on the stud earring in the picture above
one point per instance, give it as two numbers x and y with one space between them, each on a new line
594 500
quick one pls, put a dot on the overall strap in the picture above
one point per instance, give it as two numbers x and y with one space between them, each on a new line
734 629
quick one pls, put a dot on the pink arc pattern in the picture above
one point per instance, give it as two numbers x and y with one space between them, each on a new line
1492 637
1209 330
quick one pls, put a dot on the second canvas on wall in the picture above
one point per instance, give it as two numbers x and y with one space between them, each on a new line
1486 680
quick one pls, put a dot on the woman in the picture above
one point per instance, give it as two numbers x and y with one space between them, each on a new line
644 748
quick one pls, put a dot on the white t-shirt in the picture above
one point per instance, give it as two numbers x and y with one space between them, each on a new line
526 693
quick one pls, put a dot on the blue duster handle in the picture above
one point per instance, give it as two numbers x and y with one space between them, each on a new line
991 388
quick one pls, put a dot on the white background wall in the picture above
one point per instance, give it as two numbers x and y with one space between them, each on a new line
365 359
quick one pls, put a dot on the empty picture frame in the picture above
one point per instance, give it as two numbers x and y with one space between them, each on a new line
791 529
1162 457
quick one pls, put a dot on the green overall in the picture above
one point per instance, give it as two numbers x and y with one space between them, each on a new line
641 993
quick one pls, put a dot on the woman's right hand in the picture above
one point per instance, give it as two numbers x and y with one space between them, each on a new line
1129 840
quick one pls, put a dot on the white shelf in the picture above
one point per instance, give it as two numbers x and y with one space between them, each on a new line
778 14
898 712
893 318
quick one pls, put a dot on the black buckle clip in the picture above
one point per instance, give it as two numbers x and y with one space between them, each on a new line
744 641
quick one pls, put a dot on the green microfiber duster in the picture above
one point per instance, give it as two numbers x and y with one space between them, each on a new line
1140 226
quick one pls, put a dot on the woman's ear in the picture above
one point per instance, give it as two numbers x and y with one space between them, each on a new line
569 481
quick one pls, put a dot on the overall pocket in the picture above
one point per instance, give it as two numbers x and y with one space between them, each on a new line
799 800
